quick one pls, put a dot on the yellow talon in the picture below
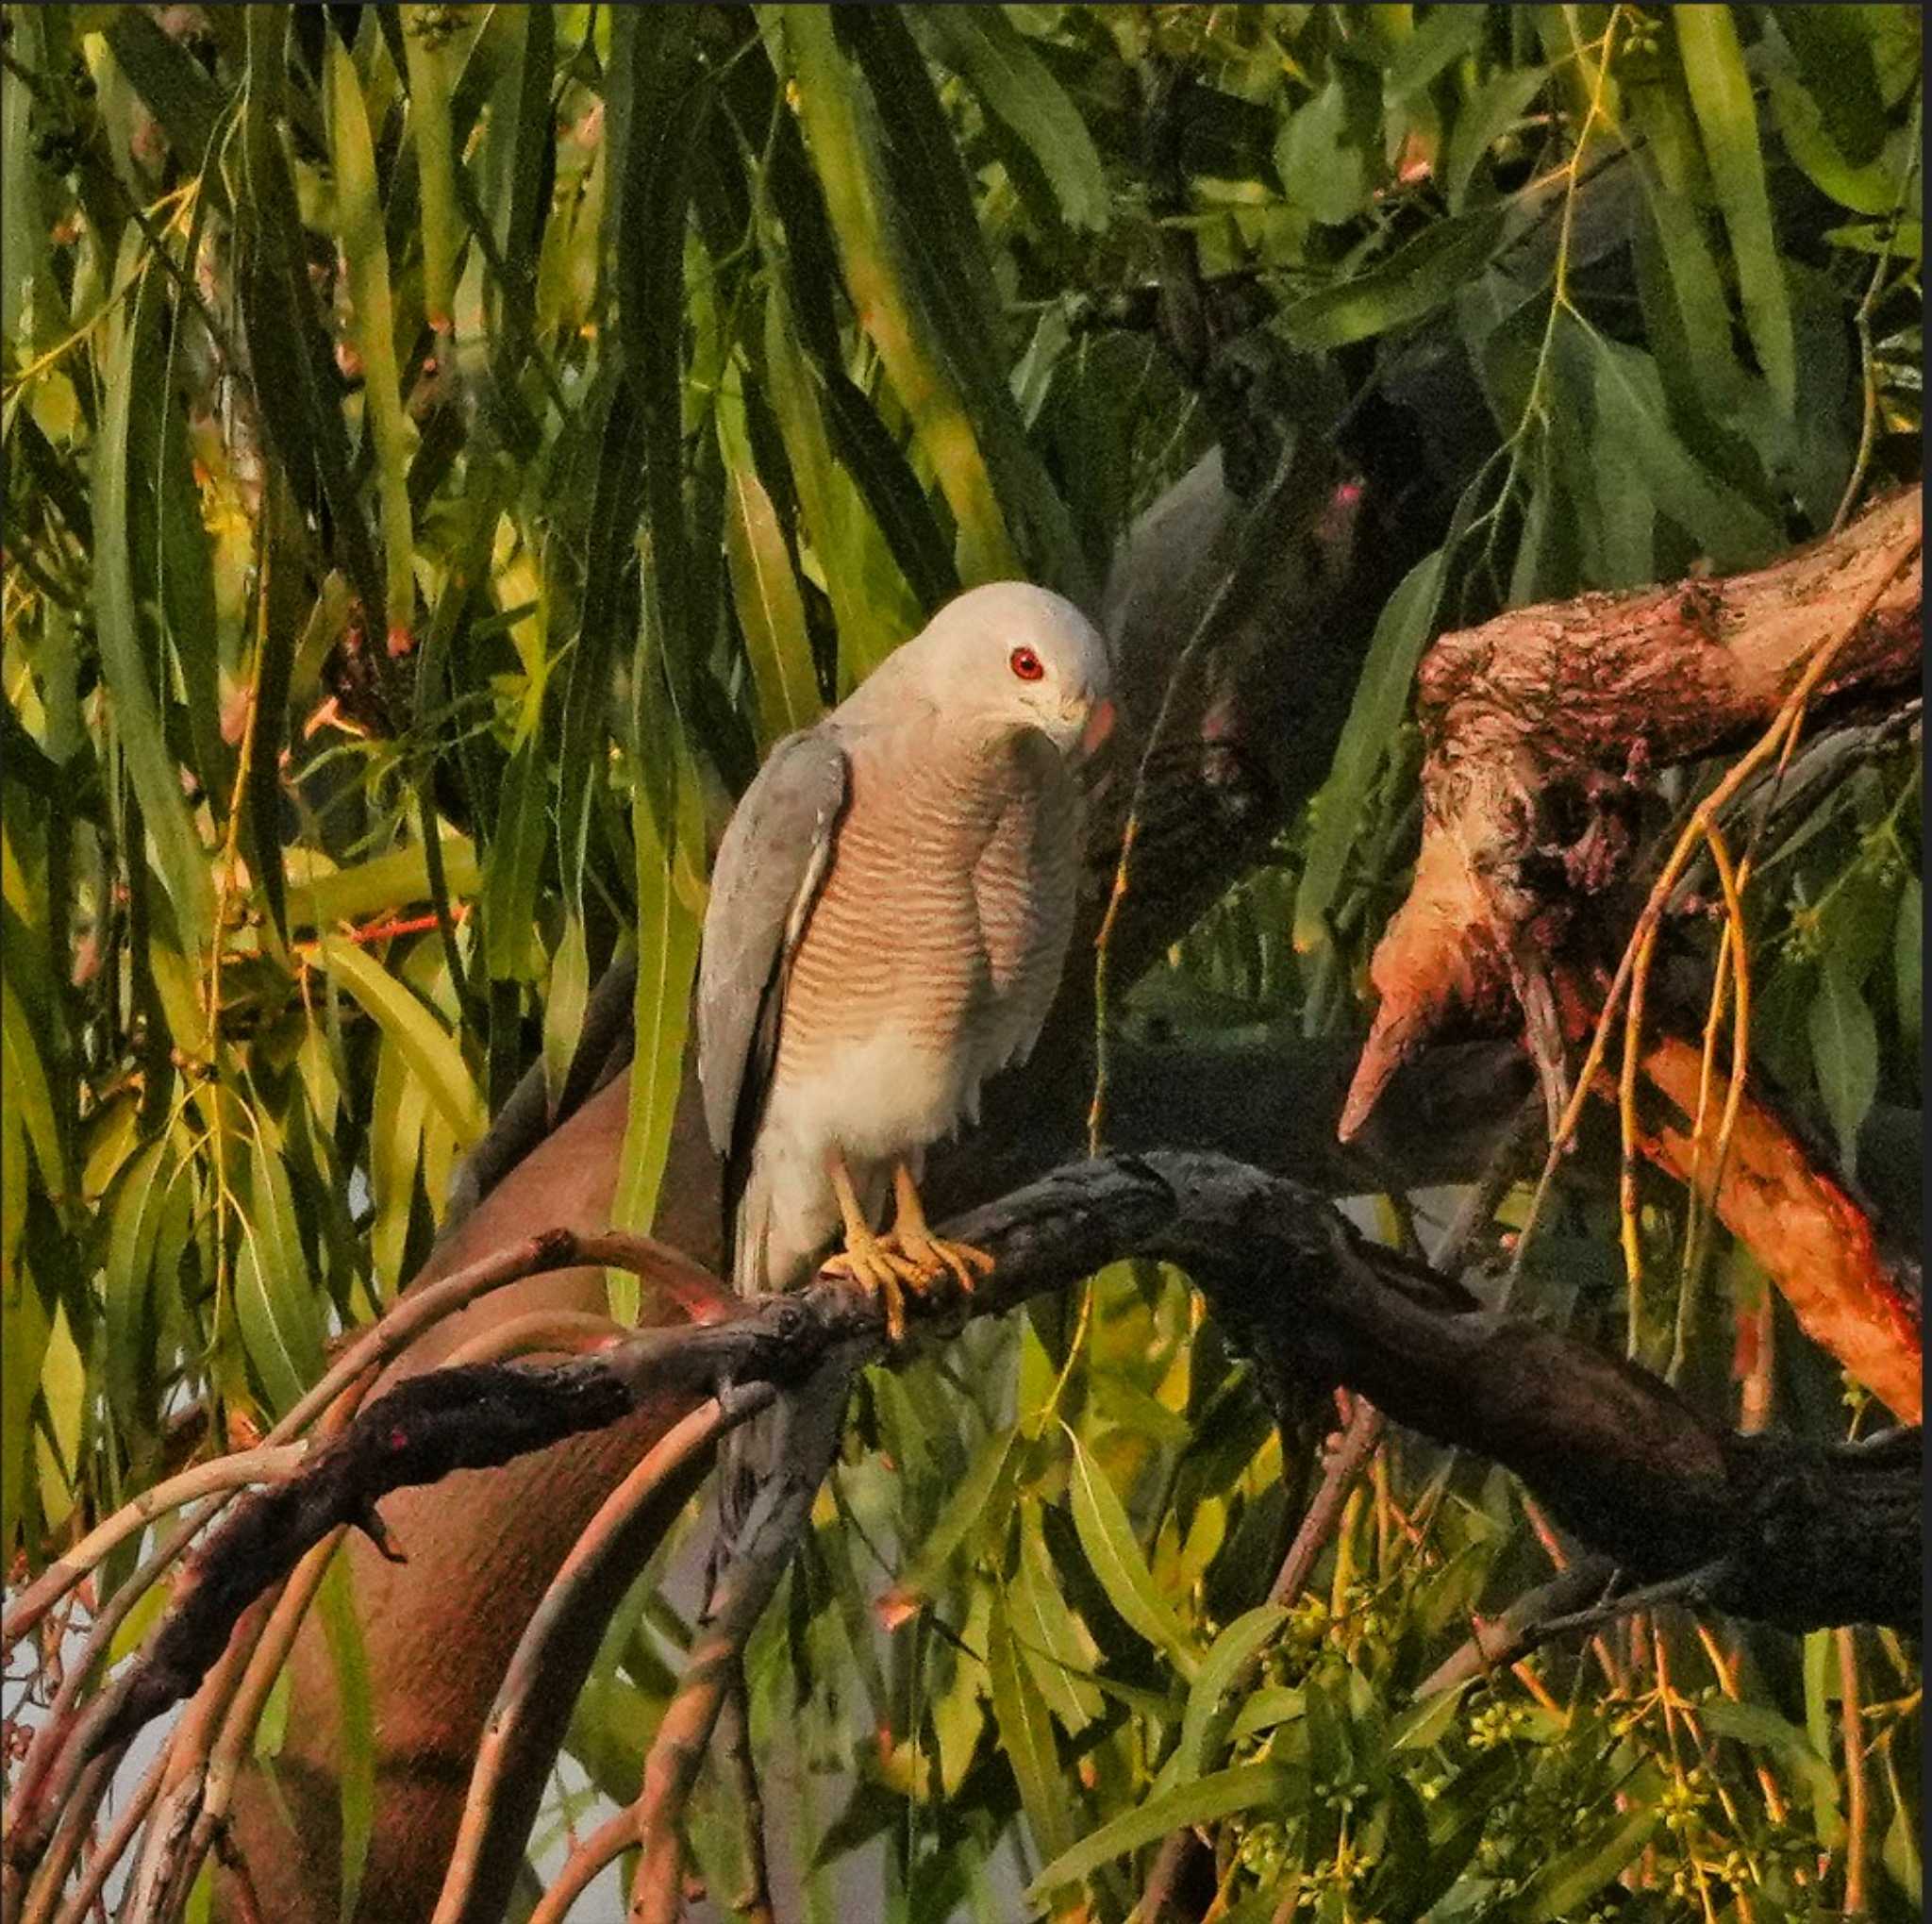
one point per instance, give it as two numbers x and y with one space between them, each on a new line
908 1258
912 1233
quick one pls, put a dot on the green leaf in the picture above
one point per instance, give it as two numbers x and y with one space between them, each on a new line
129 1319
275 1299
1900 1851
1760 1728
23 231
1502 99
1108 1539
365 251
1720 89
1207 1720
1844 1056
427 61
1628 396
1445 37
564 1001
771 612
844 417
121 517
186 584
1247 1787
876 217
172 85
1575 1876
398 1115
604 617
513 867
25 1332
984 48
1326 153
1265 1709
28 1094
671 899
1025 1737
980 1504
1050 1637
1834 55
1901 240
1381 693
430 1050
1908 953
335 1600
319 896
1415 280
871 598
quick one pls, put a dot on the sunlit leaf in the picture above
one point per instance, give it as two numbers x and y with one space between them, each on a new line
1247 1787
335 1603
1727 118
1108 1539
1027 1738
430 1050
1016 89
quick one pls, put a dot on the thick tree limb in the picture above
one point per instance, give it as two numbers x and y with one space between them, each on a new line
1794 1533
1537 722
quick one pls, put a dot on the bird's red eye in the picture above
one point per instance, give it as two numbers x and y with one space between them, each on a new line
1026 664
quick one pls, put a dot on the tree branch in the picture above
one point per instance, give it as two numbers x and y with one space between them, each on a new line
1537 723
1794 1533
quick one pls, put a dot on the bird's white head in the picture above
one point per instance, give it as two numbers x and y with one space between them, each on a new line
1011 651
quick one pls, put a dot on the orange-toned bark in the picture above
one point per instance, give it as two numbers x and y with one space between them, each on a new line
1809 1236
1536 724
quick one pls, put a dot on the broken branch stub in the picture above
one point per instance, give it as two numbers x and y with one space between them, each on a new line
1538 724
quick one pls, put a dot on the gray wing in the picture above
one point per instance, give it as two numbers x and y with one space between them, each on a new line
771 864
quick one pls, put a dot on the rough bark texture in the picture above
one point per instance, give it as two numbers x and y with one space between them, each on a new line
1786 1530
1536 724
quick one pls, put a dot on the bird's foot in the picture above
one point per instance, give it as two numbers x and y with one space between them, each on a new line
881 1271
907 1261
936 1257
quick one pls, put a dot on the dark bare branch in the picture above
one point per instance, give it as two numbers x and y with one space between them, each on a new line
1792 1532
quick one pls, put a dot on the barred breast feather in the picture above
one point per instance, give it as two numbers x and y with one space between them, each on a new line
929 963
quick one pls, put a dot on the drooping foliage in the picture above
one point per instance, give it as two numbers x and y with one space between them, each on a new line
446 445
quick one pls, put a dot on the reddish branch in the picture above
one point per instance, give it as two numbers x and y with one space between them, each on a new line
1538 723
1811 1237
1791 1532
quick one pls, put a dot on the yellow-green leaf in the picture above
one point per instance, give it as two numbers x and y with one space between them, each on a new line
429 1048
1728 118
1108 1539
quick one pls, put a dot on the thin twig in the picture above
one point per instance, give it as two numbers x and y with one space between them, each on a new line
766 1541
1356 1447
533 1670
754 1902
1868 425
261 1465
113 1847
597 1852
1858 1786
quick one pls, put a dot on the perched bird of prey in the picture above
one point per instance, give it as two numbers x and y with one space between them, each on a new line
890 910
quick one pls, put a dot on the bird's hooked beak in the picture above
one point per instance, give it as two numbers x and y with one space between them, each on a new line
1100 721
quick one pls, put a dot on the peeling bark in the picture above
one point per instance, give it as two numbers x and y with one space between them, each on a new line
1537 725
